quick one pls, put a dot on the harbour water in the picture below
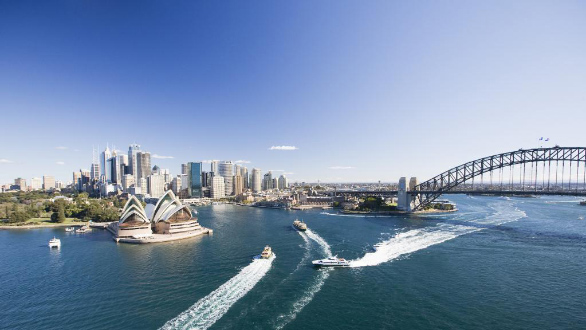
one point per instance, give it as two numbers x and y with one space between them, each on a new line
498 263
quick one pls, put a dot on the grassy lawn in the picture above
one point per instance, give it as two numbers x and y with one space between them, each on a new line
45 221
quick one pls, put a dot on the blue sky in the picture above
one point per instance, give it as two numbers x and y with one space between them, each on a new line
365 91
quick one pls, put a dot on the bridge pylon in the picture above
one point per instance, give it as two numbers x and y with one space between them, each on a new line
405 196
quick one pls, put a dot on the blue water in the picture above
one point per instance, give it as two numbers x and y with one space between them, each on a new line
498 263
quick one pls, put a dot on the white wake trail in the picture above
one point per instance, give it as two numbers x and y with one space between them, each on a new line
212 307
313 288
419 239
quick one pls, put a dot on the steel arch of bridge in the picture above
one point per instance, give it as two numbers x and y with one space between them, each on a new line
426 192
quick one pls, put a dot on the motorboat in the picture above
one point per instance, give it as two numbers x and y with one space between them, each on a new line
54 242
300 225
331 262
266 253
70 229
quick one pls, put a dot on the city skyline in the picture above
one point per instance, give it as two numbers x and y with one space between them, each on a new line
332 92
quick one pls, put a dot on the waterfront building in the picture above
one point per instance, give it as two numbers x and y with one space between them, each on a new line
238 185
218 189
267 182
195 180
127 182
143 166
21 183
256 180
156 184
48 182
133 221
170 216
283 182
133 151
226 170
37 183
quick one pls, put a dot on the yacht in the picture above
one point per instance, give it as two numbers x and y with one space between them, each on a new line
300 225
331 262
266 253
54 242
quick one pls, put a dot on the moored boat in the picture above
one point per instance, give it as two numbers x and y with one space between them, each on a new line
300 225
70 229
83 229
331 262
54 242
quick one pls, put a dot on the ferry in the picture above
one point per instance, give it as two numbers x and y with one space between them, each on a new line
266 253
331 262
300 225
54 242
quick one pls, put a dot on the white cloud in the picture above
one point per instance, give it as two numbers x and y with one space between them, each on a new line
162 157
61 148
5 161
242 162
341 167
283 148
60 163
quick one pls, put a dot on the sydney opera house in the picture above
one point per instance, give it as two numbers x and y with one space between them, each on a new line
167 220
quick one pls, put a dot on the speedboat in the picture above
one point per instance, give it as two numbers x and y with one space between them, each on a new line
300 225
54 242
266 253
331 262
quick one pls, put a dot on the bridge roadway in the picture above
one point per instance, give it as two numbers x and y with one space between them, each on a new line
471 192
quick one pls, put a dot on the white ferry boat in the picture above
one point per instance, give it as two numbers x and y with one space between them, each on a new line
331 262
300 225
54 242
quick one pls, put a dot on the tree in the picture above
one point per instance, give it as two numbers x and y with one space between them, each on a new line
61 213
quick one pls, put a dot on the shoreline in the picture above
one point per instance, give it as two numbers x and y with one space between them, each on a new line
398 212
43 225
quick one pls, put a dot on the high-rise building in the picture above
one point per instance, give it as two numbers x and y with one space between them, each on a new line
156 184
195 183
267 182
245 178
77 184
21 183
275 183
106 165
214 166
133 150
218 189
143 160
238 184
184 169
283 182
94 173
48 182
127 182
256 180
142 183
85 178
115 163
36 183
226 170
176 184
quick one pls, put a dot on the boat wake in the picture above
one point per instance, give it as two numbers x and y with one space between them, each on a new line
419 239
212 307
313 288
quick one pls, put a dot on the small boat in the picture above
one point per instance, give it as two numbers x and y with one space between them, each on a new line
54 242
266 253
70 229
300 225
331 262
378 246
83 229
583 203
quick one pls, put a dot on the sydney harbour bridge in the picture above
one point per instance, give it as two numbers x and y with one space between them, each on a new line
538 171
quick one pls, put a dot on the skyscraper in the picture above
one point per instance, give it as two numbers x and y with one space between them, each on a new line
106 164
218 187
195 183
267 183
256 180
95 172
283 182
36 184
214 166
77 180
184 169
226 170
238 184
143 160
133 150
127 181
156 184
